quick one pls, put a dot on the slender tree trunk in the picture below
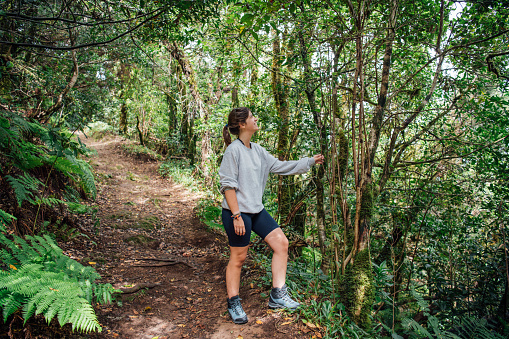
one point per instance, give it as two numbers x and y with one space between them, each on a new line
46 114
235 97
123 75
140 133
320 172
280 90
206 146
358 284
122 128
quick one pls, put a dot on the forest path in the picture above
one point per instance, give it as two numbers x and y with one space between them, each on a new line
143 215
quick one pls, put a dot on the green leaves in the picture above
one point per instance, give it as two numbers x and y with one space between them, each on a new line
25 187
41 280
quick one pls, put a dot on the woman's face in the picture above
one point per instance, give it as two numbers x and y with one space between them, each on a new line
251 123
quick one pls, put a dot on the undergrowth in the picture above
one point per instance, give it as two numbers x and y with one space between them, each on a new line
39 279
181 172
141 152
42 180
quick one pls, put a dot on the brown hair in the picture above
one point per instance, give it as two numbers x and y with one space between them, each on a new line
235 118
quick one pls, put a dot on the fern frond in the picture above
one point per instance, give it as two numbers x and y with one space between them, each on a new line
72 167
472 327
5 219
84 319
24 187
24 251
11 304
48 201
49 283
88 178
417 328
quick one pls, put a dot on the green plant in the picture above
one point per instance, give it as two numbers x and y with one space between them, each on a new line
5 219
141 151
469 327
39 279
180 172
209 212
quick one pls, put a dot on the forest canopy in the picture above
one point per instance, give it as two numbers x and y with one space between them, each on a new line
405 225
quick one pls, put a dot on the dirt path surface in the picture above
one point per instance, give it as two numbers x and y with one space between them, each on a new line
150 236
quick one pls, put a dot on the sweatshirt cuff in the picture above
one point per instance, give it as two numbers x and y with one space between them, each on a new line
311 161
226 188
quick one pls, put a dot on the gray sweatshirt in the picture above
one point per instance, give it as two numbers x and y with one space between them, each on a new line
247 169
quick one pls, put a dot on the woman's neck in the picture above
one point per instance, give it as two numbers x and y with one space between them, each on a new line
246 139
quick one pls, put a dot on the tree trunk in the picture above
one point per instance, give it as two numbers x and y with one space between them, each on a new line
44 115
122 128
280 89
310 95
206 147
140 133
123 76
358 284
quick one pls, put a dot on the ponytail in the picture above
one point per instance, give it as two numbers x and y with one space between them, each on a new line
226 136
235 118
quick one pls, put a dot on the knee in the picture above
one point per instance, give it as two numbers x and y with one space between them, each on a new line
281 244
238 259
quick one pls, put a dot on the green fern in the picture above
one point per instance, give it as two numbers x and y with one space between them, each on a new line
470 328
474 328
48 201
41 280
76 169
5 219
25 186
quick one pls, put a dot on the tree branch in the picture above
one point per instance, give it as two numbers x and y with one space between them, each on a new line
70 48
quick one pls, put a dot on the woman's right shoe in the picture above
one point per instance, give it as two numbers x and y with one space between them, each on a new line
279 298
236 311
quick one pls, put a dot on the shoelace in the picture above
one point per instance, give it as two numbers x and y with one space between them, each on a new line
286 297
237 307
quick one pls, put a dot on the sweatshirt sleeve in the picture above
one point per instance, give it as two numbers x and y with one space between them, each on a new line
288 167
229 172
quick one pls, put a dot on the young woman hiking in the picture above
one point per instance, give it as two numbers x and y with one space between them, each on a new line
243 175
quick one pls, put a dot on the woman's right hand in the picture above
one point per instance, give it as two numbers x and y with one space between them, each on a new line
238 225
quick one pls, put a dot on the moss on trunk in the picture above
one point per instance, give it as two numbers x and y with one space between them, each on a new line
357 290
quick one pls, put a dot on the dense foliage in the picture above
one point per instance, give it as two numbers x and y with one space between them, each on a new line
403 231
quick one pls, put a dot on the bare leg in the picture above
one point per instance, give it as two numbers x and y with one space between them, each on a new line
279 243
237 258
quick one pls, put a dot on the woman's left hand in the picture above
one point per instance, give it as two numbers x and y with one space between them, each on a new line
319 159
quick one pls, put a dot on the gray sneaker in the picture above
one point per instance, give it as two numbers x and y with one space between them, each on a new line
279 298
236 311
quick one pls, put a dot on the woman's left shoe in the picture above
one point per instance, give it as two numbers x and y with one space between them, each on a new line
236 311
279 298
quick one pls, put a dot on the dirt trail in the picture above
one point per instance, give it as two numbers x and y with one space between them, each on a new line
143 216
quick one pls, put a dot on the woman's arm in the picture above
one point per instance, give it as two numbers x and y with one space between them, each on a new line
231 200
292 167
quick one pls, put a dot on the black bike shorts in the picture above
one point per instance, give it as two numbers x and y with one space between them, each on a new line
261 223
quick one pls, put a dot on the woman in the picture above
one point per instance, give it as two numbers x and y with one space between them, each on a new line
243 175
